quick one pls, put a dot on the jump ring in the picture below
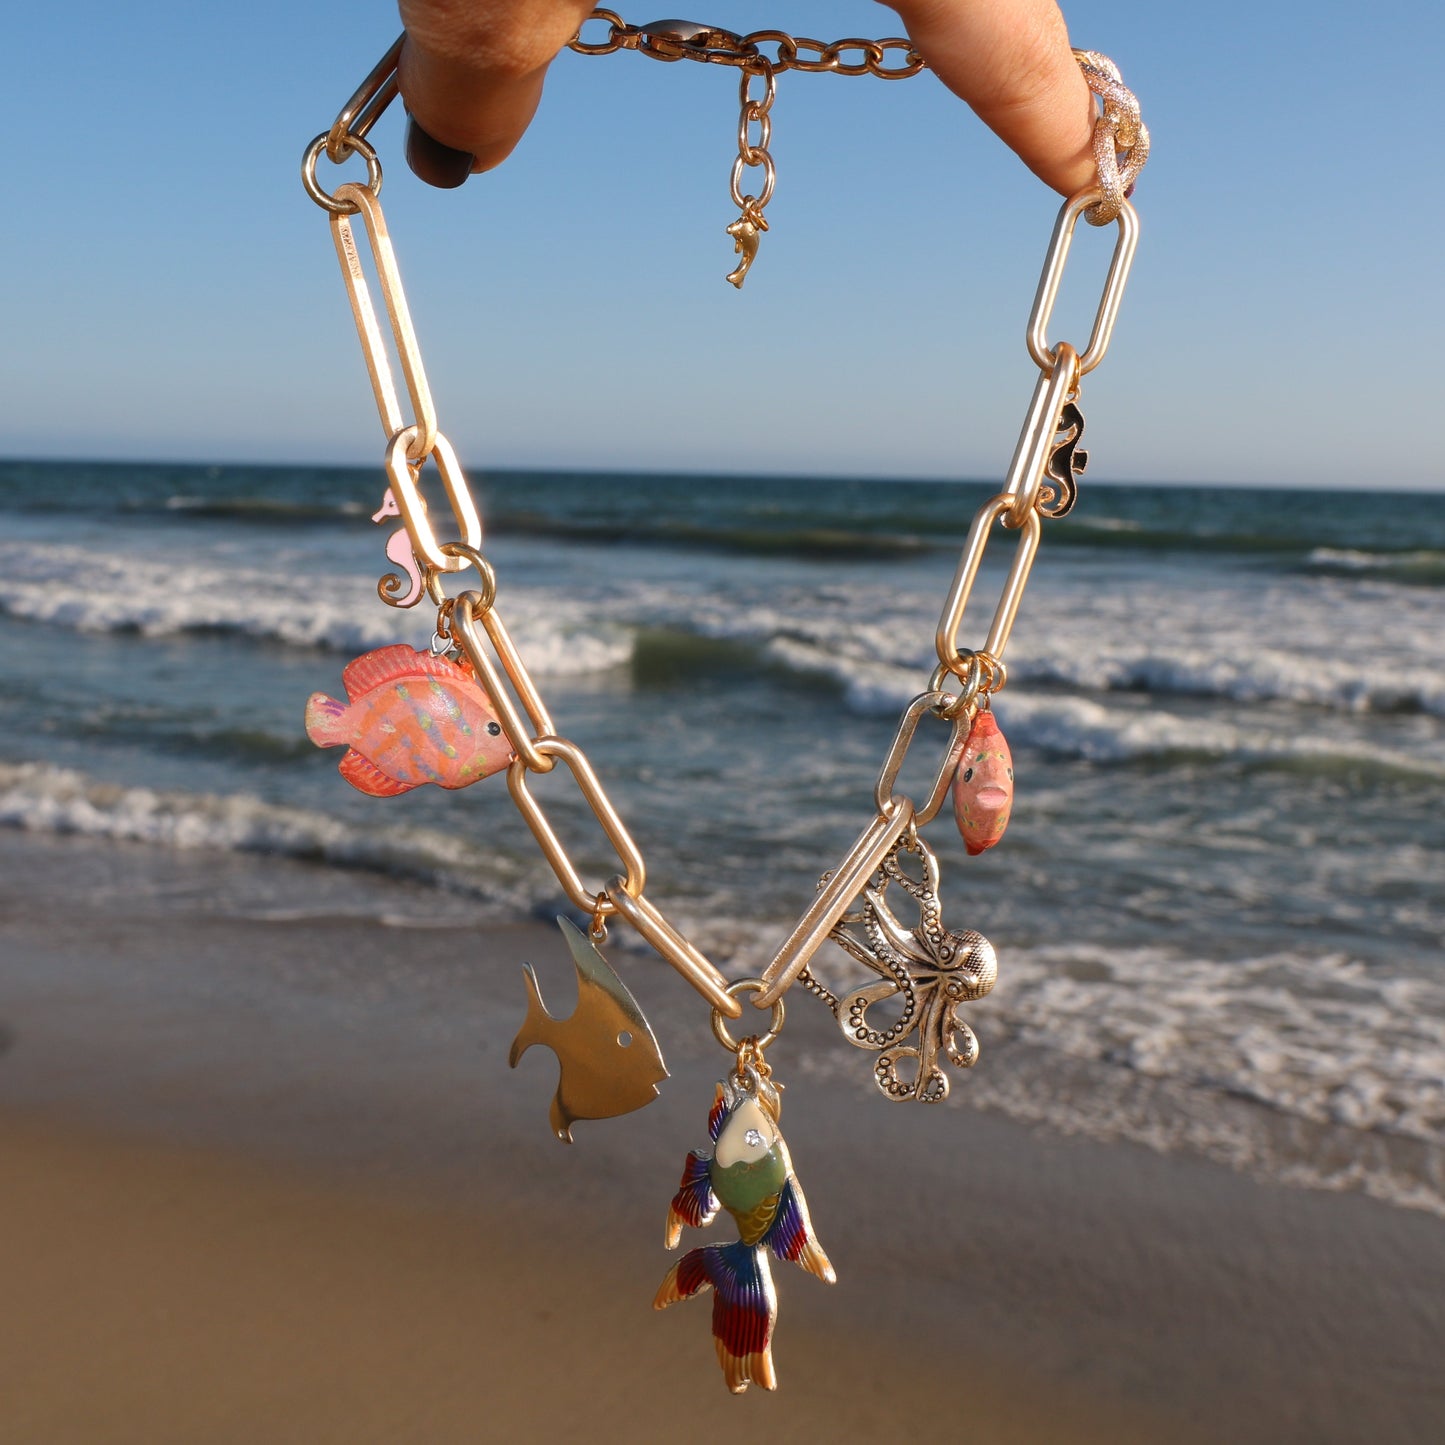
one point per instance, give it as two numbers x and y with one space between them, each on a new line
597 929
482 599
972 682
324 198
485 571
775 1019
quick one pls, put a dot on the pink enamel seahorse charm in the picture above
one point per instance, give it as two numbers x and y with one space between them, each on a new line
398 550
410 718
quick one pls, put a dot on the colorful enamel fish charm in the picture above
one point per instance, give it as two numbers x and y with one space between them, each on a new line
750 1175
411 718
983 787
609 1056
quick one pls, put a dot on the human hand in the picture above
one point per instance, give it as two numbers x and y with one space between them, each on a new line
471 75
472 72
1011 61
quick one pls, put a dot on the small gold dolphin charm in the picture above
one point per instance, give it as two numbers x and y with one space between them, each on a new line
610 1062
744 232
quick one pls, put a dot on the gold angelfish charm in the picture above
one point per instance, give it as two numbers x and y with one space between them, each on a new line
610 1061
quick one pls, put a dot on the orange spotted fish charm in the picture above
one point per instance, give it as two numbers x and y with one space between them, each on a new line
983 787
411 718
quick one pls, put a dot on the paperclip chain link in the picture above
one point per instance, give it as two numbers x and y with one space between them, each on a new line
470 622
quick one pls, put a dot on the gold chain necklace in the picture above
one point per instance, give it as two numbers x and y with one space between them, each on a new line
467 706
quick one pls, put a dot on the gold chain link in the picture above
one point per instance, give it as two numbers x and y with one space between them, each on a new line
756 111
1121 139
677 40
1121 147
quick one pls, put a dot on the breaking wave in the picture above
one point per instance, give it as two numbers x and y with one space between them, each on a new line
42 798
157 599
1313 1071
1420 568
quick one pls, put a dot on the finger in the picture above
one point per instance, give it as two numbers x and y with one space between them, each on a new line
471 75
1011 61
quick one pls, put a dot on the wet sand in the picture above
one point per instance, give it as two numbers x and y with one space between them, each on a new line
273 1181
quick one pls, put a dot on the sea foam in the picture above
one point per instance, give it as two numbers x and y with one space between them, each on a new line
1311 1070
44 798
165 598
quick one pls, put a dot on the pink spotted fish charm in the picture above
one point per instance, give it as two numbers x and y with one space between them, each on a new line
983 787
411 718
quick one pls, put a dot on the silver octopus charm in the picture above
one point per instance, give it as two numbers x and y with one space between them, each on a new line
932 968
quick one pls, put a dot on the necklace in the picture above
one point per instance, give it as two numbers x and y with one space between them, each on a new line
466 706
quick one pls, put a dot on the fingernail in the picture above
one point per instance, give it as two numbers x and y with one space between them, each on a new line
433 162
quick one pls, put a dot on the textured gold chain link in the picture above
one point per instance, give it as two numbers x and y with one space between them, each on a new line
1121 139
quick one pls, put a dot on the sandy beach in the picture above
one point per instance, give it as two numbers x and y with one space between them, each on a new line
260 1182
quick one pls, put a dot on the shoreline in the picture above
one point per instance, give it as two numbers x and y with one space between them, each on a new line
273 1180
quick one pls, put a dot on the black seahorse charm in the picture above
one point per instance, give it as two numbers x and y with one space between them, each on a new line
1066 463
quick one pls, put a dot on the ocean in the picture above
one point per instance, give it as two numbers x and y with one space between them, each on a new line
1218 909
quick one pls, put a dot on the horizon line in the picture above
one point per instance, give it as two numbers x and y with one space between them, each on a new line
1400 488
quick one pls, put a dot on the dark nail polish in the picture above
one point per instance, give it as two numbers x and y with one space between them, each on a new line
434 163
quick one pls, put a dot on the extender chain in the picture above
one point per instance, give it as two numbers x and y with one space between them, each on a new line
929 967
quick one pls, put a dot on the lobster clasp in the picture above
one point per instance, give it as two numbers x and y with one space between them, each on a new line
687 40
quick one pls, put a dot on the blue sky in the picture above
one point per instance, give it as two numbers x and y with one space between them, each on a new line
171 292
